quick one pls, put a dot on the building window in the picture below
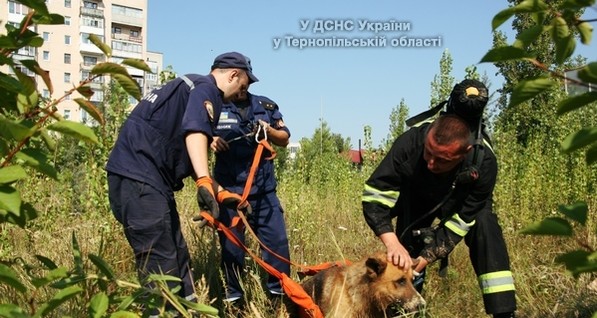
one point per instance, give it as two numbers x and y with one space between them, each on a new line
45 93
46 36
116 30
67 39
67 114
89 60
134 33
66 58
90 5
67 77
67 3
66 20
15 7
46 55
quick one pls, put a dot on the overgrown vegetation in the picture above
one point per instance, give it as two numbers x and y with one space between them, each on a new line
63 254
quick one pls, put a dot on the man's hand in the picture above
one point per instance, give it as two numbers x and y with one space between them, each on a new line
419 264
219 145
233 201
206 199
396 252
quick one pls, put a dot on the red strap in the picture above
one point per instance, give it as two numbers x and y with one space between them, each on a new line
291 288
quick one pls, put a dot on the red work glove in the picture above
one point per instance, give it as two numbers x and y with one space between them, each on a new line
233 201
206 199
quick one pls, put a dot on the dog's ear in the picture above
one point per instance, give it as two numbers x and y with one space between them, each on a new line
375 266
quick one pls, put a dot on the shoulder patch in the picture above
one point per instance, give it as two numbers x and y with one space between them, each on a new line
269 105
210 110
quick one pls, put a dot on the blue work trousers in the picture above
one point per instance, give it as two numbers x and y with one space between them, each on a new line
152 228
267 221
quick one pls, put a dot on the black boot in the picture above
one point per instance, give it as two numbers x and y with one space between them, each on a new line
504 315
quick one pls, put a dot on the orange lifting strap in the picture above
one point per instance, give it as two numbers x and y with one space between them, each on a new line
292 289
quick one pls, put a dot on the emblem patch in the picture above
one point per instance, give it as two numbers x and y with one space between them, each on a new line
210 110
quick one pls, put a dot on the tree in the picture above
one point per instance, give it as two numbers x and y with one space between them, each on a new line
535 32
398 116
442 84
167 75
534 67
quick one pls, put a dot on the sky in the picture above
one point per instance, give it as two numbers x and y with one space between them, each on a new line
349 87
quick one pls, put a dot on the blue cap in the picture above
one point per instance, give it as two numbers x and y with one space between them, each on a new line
235 60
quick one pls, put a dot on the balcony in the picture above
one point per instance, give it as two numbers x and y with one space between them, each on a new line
127 20
125 37
99 13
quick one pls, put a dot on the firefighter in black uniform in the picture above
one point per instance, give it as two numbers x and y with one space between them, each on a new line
437 170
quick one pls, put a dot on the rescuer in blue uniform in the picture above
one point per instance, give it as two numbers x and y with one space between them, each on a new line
164 140
426 175
235 147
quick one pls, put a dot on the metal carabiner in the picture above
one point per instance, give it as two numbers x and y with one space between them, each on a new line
259 129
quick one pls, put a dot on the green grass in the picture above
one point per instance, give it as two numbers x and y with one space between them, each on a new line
325 223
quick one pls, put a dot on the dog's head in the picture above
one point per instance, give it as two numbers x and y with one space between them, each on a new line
391 285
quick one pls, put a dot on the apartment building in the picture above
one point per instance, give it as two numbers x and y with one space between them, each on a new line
68 54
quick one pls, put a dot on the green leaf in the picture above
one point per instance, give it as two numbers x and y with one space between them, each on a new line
61 297
12 311
565 48
36 42
90 109
201 308
589 73
48 19
10 83
529 6
74 129
48 140
10 199
578 262
528 89
102 266
86 91
559 29
12 130
579 139
26 214
27 82
12 174
138 64
52 275
591 156
528 36
124 314
33 66
501 17
505 53
39 160
578 101
48 263
586 32
9 277
77 257
577 211
109 68
98 305
129 85
100 45
549 226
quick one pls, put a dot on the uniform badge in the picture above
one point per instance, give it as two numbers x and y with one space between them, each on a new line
210 110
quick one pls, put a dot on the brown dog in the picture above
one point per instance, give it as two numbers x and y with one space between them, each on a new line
363 290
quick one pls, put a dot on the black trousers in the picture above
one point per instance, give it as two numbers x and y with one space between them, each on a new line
489 257
152 227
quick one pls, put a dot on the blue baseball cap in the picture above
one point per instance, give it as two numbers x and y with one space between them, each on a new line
235 60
